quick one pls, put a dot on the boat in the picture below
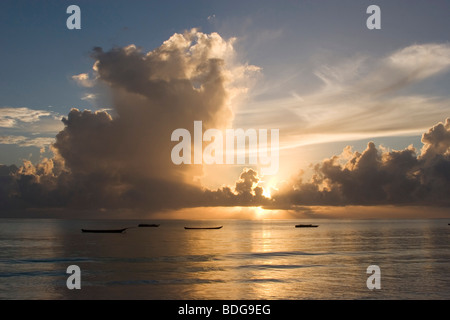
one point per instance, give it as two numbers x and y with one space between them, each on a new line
306 226
148 225
202 228
103 230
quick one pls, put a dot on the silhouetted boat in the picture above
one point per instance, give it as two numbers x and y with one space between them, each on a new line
306 226
199 228
148 225
103 230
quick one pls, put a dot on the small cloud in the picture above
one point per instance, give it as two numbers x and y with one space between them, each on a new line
29 121
10 117
22 141
83 80
107 110
89 97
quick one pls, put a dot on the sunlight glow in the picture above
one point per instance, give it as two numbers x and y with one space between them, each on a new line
259 212
266 193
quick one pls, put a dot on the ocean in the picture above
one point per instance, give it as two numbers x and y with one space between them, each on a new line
257 260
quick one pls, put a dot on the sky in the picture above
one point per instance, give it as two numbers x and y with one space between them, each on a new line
86 115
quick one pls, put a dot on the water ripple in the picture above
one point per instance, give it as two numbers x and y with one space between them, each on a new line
276 266
31 274
276 254
50 260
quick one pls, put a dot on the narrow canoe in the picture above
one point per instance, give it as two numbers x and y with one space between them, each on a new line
306 226
192 228
103 231
148 225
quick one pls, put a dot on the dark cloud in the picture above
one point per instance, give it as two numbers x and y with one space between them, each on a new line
379 177
246 193
372 177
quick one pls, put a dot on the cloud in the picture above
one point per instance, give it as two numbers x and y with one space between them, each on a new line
378 177
436 141
23 141
7 122
26 127
89 97
358 98
190 77
12 117
22 121
247 192
419 62
84 80
124 160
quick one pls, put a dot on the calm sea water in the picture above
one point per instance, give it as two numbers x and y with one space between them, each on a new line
244 260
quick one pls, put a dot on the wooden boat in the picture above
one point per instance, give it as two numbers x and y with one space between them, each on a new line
306 226
103 230
202 228
148 225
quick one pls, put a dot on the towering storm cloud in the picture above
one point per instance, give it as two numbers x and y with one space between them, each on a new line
188 78
191 77
122 158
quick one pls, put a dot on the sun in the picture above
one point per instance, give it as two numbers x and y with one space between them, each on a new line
267 192
259 213
269 187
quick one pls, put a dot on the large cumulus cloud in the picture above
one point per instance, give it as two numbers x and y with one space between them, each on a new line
189 77
122 158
